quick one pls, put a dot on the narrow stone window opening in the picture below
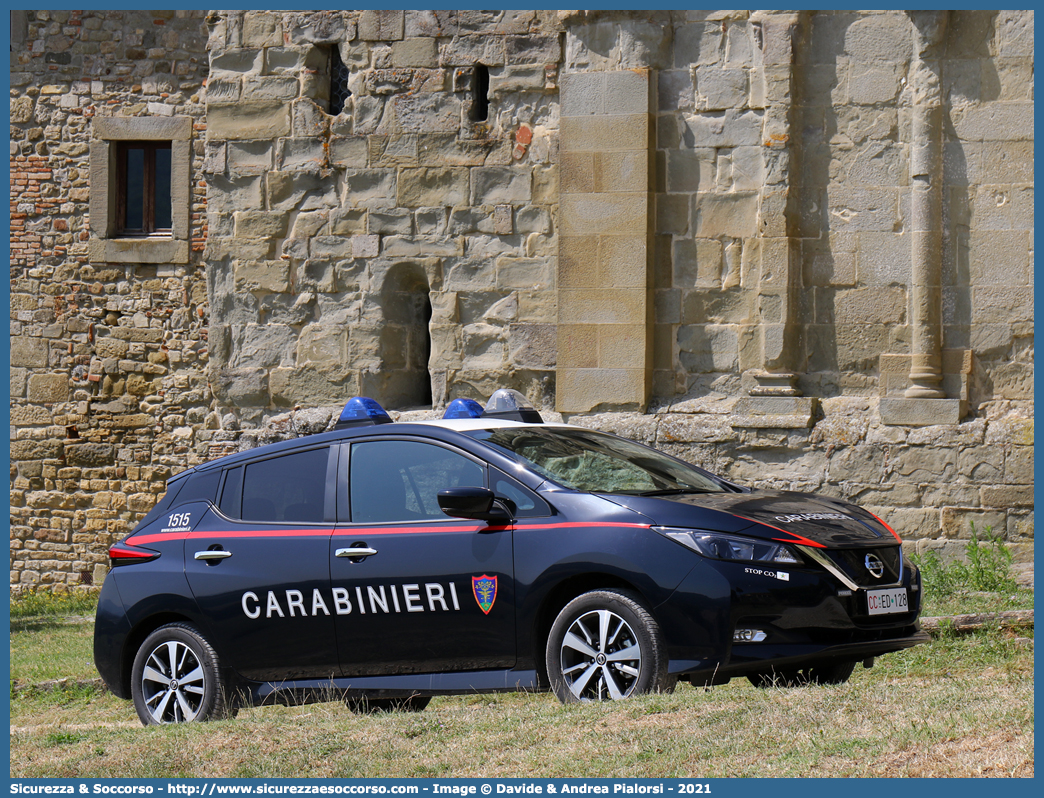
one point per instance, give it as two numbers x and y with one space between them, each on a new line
424 352
404 378
480 96
339 76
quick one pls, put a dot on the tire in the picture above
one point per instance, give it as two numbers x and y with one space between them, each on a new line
827 673
604 645
413 703
177 678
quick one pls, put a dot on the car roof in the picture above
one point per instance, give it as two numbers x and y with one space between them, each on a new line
461 425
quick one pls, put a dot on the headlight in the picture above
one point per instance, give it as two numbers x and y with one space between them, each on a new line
730 547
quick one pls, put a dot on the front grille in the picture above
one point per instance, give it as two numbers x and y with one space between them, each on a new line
853 563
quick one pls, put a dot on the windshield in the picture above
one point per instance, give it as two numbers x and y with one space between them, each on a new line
595 462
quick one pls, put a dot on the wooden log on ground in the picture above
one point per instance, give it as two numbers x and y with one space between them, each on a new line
1010 619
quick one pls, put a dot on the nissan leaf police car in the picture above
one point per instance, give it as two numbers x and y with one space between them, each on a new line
385 563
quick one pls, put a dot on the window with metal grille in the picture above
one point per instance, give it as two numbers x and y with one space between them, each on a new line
339 75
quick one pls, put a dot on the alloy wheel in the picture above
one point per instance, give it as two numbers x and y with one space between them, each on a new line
601 658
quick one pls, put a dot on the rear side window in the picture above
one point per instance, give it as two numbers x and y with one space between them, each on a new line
200 487
232 493
288 488
400 480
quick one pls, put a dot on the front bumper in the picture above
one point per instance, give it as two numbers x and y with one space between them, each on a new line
807 615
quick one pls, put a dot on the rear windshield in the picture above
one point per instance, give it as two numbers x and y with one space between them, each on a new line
594 462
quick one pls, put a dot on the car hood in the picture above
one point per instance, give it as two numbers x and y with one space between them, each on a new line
773 515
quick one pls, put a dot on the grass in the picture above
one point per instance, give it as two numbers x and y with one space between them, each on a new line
961 706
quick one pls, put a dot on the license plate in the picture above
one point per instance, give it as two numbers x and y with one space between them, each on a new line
882 602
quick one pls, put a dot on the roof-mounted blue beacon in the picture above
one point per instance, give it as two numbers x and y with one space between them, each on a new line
361 411
463 408
511 405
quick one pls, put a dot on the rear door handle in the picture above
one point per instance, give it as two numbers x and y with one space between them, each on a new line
356 552
212 555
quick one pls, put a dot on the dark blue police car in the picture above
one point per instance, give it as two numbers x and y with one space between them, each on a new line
384 563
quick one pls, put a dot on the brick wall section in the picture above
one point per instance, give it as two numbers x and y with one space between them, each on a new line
107 385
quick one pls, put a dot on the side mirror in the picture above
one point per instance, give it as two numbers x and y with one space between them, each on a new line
477 504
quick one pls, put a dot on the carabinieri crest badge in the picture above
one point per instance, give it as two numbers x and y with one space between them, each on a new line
485 590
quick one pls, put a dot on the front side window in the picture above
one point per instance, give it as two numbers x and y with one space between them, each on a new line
143 198
593 461
400 480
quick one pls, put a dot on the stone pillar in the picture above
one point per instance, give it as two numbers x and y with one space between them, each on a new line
775 400
926 206
605 204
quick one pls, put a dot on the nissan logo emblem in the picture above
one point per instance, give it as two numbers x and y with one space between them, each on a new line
874 566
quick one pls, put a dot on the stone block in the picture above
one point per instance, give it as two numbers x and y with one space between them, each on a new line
301 191
584 390
390 222
870 306
295 60
729 215
622 262
513 79
468 50
577 345
602 306
261 29
732 128
258 120
89 455
620 172
351 151
48 388
368 184
604 133
1011 303
587 214
260 224
383 25
532 345
533 49
425 187
958 522
582 93
577 172
920 412
628 91
623 346
513 272
697 263
264 345
708 348
498 185
698 43
28 352
270 275
427 112
1018 466
720 89
271 88
415 52
249 157
1004 496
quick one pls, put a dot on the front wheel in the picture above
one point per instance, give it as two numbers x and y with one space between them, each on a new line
605 645
176 678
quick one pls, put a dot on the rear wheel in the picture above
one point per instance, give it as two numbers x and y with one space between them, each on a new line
828 673
413 703
176 678
605 645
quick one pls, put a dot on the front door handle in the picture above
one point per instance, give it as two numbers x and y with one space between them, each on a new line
212 555
360 552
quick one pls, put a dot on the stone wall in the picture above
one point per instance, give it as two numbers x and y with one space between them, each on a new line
330 232
800 255
108 390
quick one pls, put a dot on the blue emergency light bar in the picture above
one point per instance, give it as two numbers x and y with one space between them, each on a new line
463 408
361 411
